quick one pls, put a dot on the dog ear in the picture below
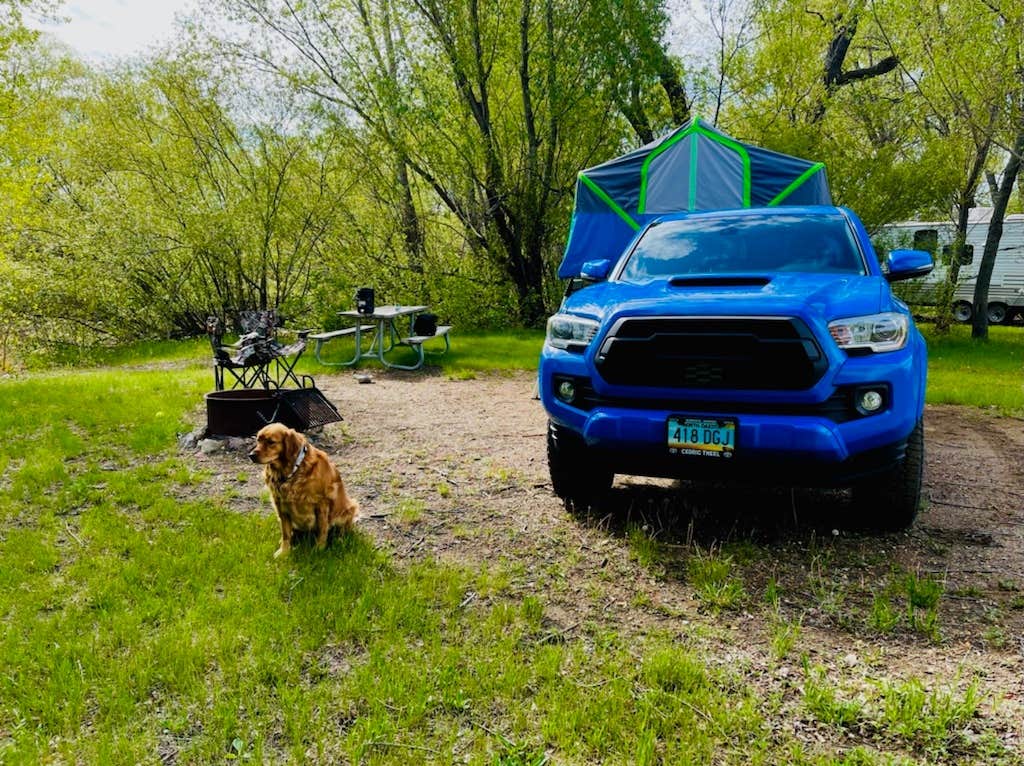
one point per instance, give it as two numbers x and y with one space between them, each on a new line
292 445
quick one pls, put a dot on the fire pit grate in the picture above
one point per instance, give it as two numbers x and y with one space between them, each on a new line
310 406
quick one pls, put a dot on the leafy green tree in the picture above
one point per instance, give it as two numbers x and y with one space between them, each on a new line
958 78
491 107
823 82
157 207
36 82
1007 23
645 82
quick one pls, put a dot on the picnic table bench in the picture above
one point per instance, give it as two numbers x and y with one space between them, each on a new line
382 325
323 337
416 342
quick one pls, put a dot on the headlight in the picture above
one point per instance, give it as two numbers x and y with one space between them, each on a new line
570 332
878 332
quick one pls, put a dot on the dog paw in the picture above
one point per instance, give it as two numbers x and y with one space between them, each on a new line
280 552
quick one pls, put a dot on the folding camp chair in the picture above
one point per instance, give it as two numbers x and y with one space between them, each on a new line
263 324
247 362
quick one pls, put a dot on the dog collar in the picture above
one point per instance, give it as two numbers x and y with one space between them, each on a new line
298 462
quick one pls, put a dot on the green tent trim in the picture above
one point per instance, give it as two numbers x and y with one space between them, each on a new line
696 127
610 202
693 179
797 183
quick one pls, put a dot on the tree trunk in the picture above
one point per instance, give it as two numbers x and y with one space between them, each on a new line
412 231
633 111
964 205
1000 200
672 84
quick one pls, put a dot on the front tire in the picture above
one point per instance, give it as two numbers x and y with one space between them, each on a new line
575 476
890 502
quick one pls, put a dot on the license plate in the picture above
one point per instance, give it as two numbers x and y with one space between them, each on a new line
703 437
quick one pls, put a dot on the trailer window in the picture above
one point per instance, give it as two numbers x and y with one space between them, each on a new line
966 257
927 239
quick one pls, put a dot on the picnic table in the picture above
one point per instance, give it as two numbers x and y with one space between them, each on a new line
386 327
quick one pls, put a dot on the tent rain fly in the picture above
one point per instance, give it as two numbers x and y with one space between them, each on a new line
696 167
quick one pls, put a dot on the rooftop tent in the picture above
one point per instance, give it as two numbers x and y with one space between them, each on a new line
693 168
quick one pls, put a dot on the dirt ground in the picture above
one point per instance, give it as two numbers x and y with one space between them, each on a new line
456 470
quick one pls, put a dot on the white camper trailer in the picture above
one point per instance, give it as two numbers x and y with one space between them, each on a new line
1006 290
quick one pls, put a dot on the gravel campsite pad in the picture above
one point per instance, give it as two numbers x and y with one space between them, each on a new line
456 470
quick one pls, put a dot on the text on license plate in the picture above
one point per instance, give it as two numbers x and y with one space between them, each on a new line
704 437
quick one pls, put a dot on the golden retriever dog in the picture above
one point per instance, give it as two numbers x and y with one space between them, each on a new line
305 487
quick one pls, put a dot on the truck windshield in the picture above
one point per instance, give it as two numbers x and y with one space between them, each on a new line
744 244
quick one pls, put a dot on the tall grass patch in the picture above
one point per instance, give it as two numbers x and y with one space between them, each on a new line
148 352
712 576
981 374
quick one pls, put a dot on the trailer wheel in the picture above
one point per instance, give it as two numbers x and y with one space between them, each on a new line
963 311
996 313
575 478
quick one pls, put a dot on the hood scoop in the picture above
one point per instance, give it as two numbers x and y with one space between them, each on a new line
719 281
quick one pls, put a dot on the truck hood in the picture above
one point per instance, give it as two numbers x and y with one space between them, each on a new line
820 296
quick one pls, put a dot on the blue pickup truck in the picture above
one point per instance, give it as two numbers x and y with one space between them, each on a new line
759 343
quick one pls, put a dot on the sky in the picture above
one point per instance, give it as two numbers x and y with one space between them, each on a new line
101 30
104 29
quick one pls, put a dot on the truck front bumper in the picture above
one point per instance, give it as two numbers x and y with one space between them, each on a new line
781 438
802 451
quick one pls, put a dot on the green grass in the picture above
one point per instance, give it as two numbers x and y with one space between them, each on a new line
933 720
986 374
784 636
142 619
825 702
644 549
908 599
470 352
141 353
934 723
712 577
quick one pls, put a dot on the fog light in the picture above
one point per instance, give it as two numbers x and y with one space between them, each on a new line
566 391
871 400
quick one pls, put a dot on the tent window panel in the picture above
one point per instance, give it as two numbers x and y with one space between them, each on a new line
668 179
719 177
675 183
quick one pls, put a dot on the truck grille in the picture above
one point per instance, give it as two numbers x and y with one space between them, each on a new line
711 352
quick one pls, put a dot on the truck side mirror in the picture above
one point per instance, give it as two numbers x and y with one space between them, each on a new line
596 271
907 264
